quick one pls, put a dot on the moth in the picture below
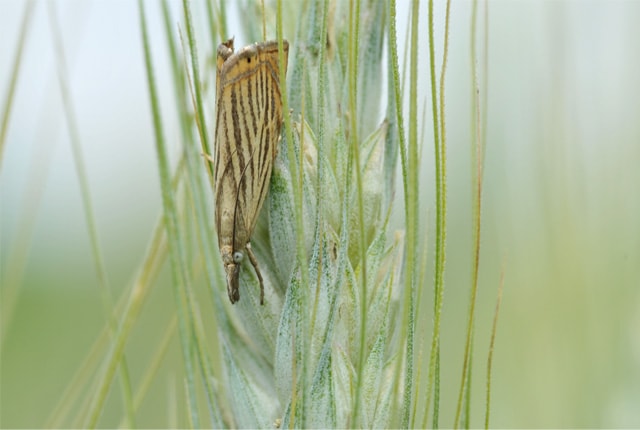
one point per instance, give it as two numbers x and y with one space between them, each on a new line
248 125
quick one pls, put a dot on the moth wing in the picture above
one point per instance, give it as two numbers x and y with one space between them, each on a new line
248 125
224 183
267 110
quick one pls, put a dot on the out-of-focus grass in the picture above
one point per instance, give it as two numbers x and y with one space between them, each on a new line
561 209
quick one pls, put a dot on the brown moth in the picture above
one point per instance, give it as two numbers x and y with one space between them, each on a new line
248 125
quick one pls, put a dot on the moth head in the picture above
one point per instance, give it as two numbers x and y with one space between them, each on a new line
231 261
233 284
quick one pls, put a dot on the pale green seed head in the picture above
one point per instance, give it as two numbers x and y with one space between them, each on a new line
301 350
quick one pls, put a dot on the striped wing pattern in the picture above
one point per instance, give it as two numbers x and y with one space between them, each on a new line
248 124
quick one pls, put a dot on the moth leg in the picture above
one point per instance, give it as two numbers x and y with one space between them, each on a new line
254 262
208 157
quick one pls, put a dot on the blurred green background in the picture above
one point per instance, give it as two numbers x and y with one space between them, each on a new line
561 208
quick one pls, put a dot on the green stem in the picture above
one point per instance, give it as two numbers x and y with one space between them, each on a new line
477 162
354 29
411 202
491 348
405 329
180 278
441 196
193 50
438 250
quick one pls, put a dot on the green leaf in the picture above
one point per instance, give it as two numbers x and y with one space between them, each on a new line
372 374
288 341
253 405
343 385
282 222
322 413
370 71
